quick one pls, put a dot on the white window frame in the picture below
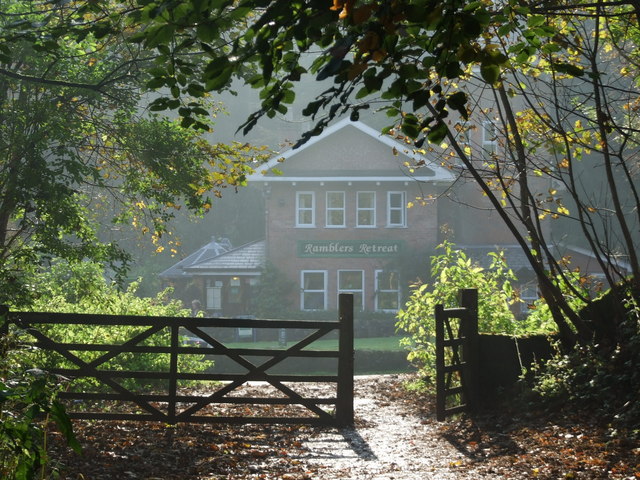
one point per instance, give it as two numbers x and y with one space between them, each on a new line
330 210
464 138
371 209
379 290
402 209
303 290
300 209
214 295
489 139
354 291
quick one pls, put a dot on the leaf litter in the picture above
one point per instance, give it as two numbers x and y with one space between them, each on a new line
395 436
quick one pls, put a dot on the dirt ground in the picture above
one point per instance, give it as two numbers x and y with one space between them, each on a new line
390 440
395 436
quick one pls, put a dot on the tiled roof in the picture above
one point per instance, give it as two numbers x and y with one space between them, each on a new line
248 257
515 258
212 249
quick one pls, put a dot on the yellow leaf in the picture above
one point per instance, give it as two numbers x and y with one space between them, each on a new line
337 5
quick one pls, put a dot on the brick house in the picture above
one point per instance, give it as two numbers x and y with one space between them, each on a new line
345 213
338 216
338 219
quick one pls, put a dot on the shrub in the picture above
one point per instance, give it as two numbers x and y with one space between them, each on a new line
451 271
105 298
26 397
604 378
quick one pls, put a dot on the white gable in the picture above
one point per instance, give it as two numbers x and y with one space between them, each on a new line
351 151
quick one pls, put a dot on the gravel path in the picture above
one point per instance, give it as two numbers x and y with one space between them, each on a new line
390 440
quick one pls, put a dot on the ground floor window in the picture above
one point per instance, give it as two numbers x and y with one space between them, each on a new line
214 295
528 295
313 295
387 290
234 295
352 281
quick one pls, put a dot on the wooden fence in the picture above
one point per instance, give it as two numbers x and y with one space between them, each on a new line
180 404
457 361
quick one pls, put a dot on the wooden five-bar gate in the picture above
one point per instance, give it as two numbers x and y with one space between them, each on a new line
177 404
457 356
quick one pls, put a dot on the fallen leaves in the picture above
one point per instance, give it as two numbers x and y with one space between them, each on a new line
549 445
186 451
509 445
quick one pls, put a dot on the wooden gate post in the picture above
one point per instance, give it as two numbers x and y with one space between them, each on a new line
471 351
344 402
173 374
441 395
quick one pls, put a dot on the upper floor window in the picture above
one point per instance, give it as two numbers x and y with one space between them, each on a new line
387 291
313 294
305 209
489 139
464 138
366 209
352 281
396 209
335 209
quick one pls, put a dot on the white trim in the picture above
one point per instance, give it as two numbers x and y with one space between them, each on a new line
223 273
367 209
303 291
402 209
378 180
379 290
213 297
312 209
352 290
329 209
489 142
441 174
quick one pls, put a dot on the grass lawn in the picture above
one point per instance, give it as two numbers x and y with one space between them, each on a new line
379 344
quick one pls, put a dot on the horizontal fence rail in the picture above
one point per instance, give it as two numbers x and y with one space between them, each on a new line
118 395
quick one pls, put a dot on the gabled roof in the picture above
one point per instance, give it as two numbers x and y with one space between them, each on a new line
515 258
353 161
217 246
620 260
246 258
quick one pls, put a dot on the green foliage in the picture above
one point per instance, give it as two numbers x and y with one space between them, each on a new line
28 405
269 299
81 288
604 379
77 154
451 271
575 289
